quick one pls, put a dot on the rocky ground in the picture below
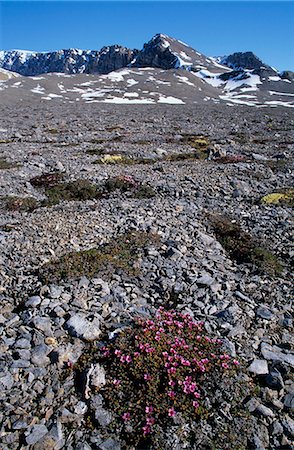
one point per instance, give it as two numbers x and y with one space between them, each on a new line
45 325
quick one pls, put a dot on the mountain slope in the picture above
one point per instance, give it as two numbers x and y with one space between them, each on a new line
161 52
166 70
7 75
168 53
67 61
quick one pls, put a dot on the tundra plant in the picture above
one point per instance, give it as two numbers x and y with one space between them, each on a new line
158 373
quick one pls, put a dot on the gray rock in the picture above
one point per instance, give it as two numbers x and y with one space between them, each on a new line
264 411
36 434
21 364
80 326
288 424
97 376
274 379
110 444
205 280
103 416
84 283
23 343
258 367
33 301
277 428
19 425
39 355
43 324
275 354
264 313
56 291
6 381
289 401
261 438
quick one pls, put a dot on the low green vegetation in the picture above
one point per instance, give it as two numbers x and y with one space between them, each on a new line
116 158
22 204
161 372
199 143
4 164
127 184
282 198
242 247
78 190
119 255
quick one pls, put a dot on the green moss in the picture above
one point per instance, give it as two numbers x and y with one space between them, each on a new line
4 164
23 204
130 186
195 140
53 131
186 156
142 142
72 191
242 247
198 142
114 128
285 198
266 261
123 160
97 141
118 255
144 191
95 151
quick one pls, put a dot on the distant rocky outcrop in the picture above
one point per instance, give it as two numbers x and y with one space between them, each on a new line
156 53
287 75
249 61
67 61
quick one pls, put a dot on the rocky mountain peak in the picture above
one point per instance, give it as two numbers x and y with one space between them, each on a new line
244 60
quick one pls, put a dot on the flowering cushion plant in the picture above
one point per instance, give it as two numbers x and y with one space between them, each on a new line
157 372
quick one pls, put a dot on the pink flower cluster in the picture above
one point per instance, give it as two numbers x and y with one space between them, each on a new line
128 179
173 354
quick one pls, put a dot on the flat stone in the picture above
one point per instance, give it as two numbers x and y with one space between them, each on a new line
264 411
289 401
275 354
36 434
259 367
274 379
80 326
39 355
103 416
20 425
264 313
6 381
110 444
33 301
97 376
288 424
205 280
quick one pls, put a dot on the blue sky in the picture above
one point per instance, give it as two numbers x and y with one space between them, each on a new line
212 27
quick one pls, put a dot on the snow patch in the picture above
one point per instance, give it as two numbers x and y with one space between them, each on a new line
170 100
127 101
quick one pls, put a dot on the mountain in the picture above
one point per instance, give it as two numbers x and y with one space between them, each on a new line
165 70
244 60
165 52
69 61
161 52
